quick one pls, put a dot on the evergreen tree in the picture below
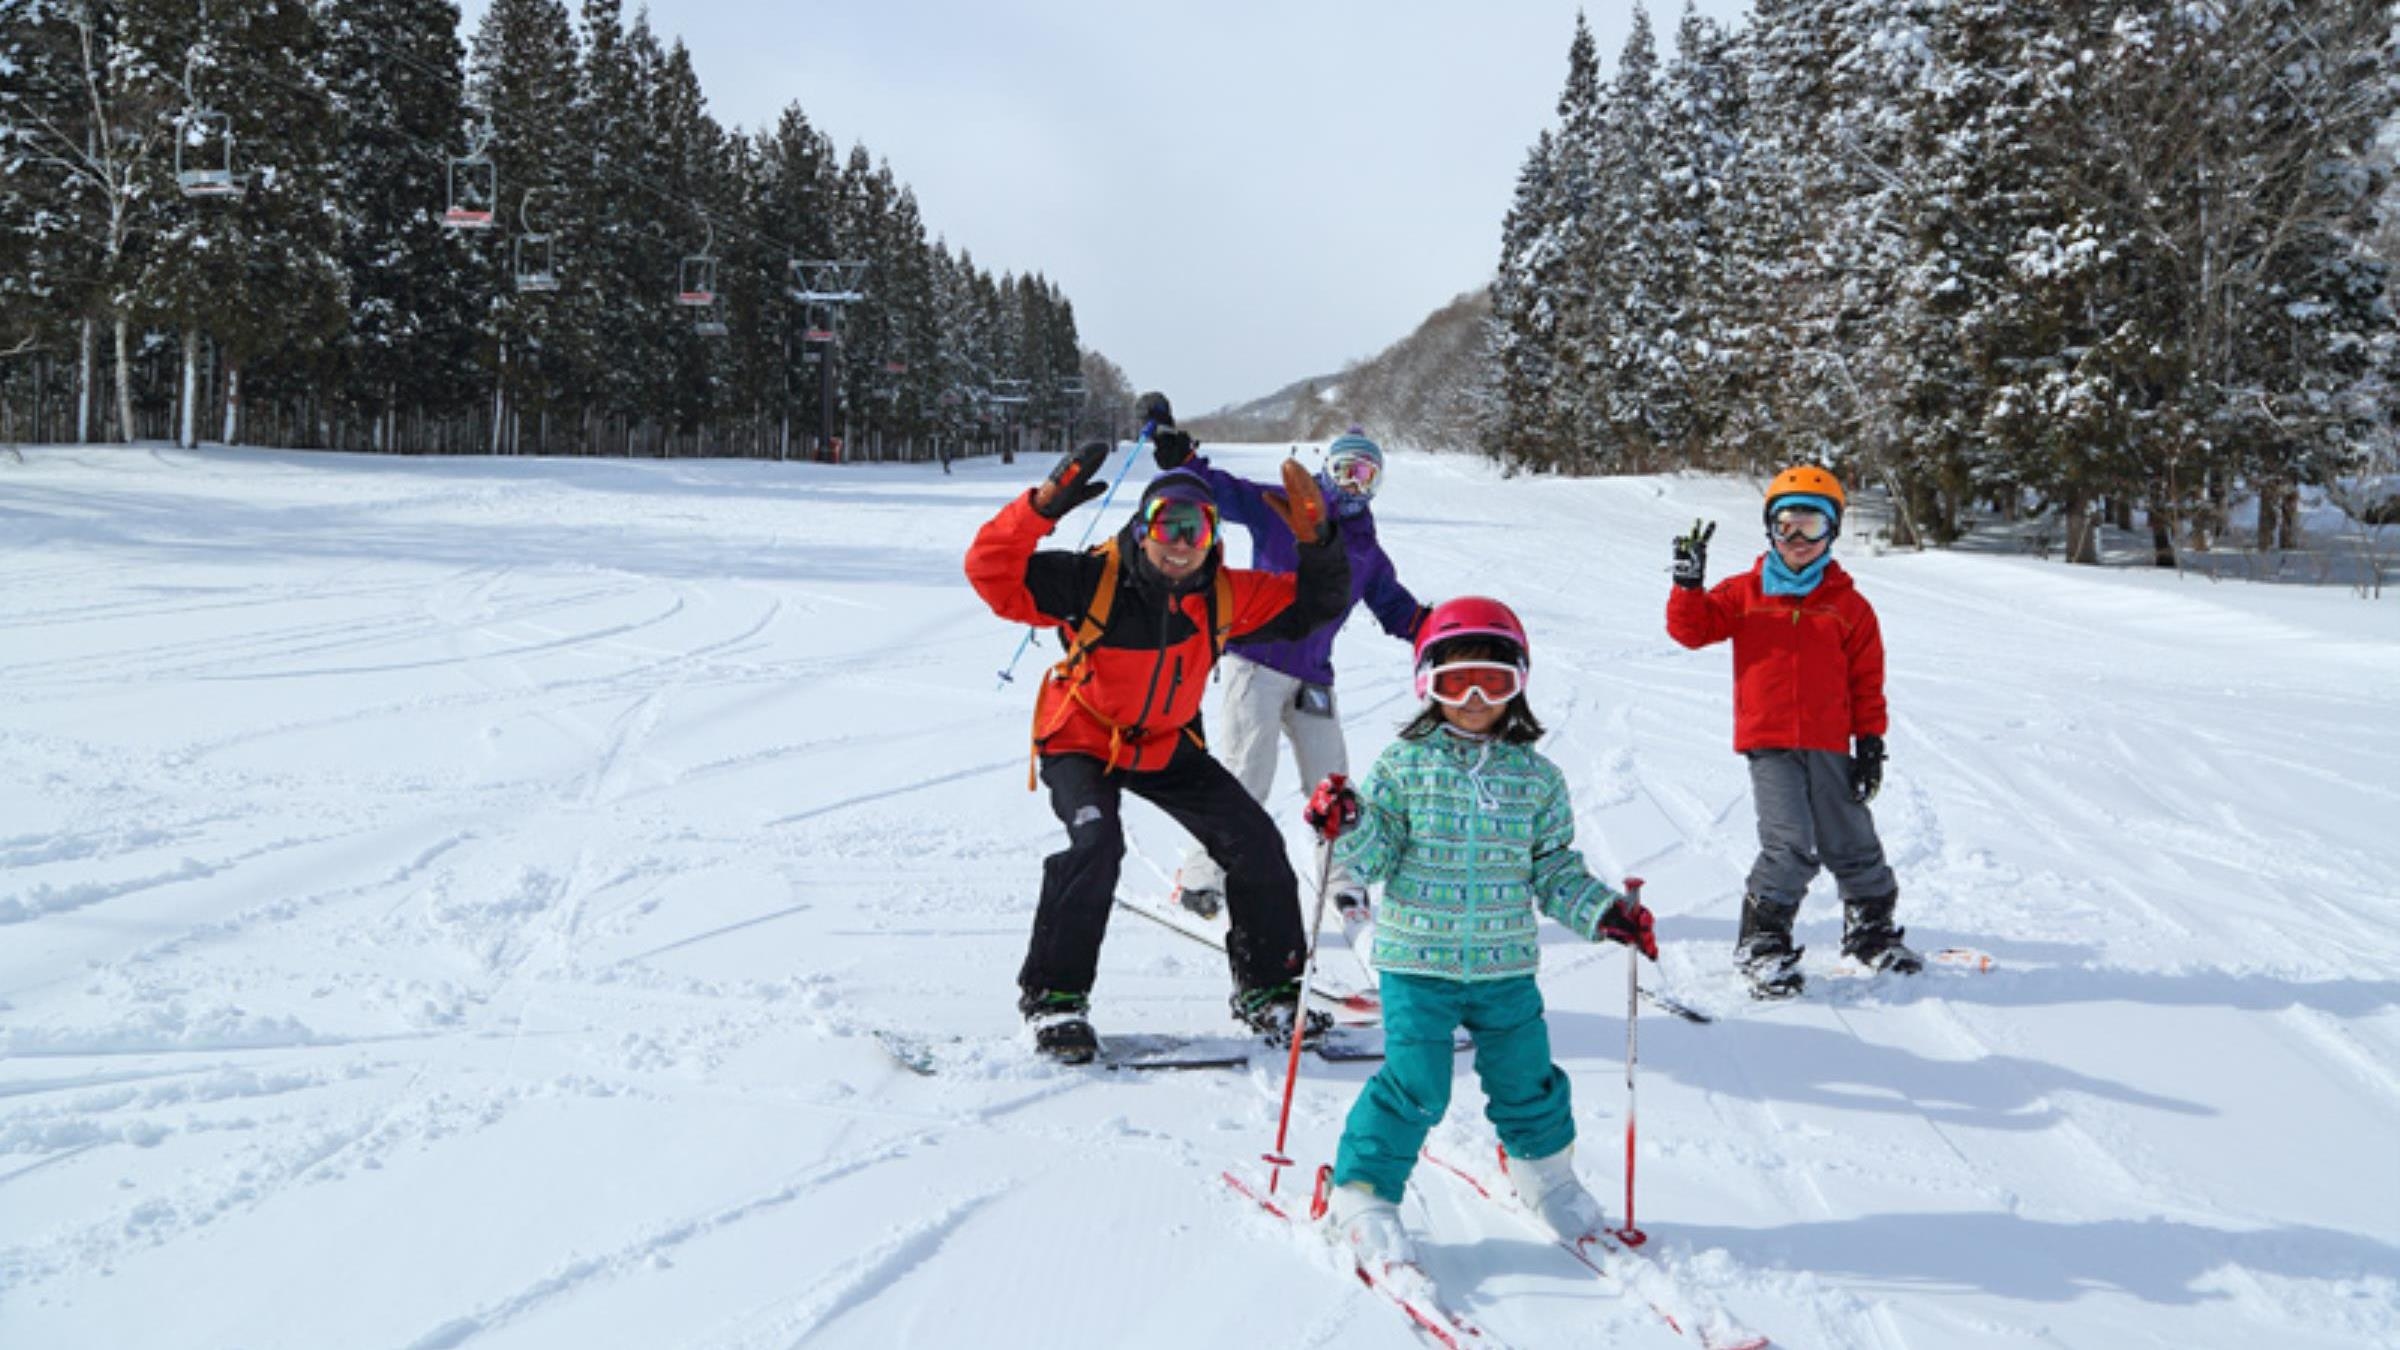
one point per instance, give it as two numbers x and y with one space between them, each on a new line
395 72
1633 363
1699 149
253 275
523 76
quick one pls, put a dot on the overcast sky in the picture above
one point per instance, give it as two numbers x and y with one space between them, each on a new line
1234 194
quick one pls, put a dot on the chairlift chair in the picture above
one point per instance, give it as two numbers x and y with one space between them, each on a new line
696 284
534 254
696 280
474 187
474 184
202 129
536 263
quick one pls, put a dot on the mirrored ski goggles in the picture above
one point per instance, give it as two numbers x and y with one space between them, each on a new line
1495 682
1356 475
1801 523
1174 522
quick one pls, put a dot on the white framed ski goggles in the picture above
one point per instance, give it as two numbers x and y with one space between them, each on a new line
1453 683
1356 475
1800 524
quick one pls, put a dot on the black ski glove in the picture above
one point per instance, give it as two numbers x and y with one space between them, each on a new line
1071 483
1154 409
1172 449
1866 769
1691 556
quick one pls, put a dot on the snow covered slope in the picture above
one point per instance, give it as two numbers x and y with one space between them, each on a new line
449 904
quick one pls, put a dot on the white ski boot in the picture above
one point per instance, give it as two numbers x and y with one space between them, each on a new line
1370 1225
1549 1190
1358 922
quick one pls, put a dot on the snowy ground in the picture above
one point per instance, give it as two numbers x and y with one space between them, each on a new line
445 904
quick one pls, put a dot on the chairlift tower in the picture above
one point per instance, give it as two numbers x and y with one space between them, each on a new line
826 287
1008 396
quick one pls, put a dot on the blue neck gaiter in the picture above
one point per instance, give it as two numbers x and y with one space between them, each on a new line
1778 579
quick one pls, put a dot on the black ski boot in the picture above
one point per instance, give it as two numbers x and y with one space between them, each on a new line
1270 1010
1764 949
1061 1025
1869 937
1204 901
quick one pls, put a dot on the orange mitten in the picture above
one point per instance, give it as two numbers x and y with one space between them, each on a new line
1301 505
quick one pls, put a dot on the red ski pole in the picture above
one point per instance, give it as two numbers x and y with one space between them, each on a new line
1630 1235
1278 1160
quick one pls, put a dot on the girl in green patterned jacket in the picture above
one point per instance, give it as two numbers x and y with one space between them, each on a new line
1470 831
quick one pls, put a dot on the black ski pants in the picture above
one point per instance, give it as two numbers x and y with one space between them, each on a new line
1264 942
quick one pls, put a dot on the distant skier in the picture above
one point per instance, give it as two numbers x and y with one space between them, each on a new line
1278 688
1470 831
1144 617
1809 714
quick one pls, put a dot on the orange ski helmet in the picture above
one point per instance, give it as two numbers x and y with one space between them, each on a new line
1805 480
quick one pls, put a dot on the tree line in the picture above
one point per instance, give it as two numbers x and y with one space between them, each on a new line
328 223
1974 251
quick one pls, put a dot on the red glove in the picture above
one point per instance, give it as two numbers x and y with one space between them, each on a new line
1332 808
1629 921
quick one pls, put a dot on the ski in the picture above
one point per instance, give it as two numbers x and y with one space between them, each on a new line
1344 1044
1408 1288
1136 1052
1606 1256
1675 1007
1346 999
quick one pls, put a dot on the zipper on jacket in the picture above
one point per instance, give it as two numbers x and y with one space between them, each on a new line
1150 695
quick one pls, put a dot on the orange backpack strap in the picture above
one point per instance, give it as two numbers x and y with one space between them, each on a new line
1104 600
1069 670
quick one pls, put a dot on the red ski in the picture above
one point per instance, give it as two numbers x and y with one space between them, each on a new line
1408 1288
1610 1259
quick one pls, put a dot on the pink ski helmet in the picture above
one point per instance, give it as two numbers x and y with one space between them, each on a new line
1469 616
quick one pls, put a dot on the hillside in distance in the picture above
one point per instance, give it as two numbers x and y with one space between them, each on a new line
1420 391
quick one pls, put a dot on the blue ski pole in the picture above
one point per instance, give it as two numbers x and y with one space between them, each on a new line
1008 673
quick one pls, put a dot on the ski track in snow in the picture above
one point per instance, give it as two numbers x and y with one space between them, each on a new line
396 835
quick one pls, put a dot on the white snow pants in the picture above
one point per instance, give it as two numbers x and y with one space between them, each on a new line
1260 707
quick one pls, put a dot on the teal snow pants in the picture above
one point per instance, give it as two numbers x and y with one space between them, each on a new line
1528 1099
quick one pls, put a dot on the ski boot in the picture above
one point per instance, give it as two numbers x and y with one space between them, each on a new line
1869 937
1271 1009
1205 901
1358 920
1764 949
1551 1192
1370 1226
1061 1025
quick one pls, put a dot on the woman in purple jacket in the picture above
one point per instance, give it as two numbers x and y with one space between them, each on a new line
1286 688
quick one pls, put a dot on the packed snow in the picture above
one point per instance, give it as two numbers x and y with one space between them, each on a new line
451 903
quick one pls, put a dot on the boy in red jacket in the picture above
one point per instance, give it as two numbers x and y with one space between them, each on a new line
1809 714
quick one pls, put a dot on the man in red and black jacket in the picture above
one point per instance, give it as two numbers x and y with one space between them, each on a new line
1144 617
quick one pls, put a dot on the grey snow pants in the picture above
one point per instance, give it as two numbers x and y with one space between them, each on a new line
1807 821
